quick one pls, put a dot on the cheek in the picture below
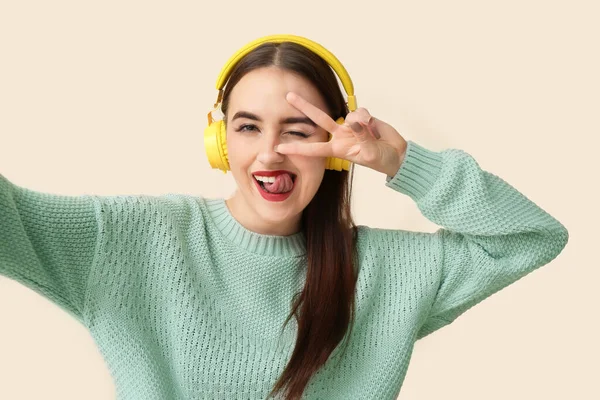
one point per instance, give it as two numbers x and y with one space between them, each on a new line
311 169
237 152
311 165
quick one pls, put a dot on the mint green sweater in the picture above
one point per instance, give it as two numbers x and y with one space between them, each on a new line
183 302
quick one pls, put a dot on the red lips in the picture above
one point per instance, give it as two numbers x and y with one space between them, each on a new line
273 173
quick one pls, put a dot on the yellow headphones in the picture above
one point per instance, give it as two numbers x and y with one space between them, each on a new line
215 133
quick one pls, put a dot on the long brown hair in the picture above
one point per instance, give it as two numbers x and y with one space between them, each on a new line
326 302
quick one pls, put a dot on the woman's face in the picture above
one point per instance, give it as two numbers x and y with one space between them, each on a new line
255 124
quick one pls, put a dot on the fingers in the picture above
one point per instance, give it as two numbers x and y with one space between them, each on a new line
312 112
361 121
315 149
365 131
356 127
359 115
360 132
373 129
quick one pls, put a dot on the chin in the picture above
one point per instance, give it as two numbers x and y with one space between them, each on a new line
274 212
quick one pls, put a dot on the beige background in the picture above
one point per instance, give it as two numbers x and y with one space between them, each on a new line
111 98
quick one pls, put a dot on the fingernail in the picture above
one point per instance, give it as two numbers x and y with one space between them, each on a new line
369 120
356 127
275 148
375 133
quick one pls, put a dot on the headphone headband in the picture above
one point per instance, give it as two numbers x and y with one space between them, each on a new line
215 134
309 44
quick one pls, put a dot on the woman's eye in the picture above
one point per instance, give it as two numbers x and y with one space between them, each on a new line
304 135
243 129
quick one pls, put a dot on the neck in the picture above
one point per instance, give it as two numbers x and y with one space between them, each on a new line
249 219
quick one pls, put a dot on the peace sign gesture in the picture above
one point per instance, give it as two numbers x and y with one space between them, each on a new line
362 139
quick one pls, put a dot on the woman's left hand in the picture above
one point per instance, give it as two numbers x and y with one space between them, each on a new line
362 139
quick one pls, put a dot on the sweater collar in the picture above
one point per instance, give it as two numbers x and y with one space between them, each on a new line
270 245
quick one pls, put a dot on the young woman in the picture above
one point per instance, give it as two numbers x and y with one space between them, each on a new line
252 296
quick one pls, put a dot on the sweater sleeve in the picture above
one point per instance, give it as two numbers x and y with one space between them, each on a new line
491 235
47 243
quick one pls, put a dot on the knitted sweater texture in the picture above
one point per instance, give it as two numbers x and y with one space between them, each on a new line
183 302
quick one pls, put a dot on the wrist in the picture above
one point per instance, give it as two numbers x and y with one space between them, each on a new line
399 160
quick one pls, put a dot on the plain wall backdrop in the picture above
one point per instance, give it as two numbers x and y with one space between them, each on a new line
111 98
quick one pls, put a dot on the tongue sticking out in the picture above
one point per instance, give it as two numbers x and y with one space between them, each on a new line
283 183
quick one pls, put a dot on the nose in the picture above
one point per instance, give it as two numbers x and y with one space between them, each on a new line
266 154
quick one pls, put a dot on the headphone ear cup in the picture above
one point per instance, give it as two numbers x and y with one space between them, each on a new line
337 164
224 152
215 138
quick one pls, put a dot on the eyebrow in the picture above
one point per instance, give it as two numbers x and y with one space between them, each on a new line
288 120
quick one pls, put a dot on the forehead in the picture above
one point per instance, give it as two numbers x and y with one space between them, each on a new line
263 91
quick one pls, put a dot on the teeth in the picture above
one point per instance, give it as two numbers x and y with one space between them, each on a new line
268 179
